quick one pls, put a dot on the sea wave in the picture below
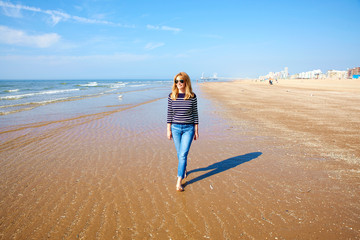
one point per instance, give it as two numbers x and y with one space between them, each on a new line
25 106
16 111
15 97
89 84
138 85
117 85
8 109
11 90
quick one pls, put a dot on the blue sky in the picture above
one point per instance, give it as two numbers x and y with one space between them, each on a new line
108 39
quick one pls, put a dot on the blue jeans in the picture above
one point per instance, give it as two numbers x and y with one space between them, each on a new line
183 134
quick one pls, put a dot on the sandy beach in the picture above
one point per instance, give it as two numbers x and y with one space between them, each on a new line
272 162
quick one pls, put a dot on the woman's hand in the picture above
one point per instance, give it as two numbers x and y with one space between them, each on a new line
196 135
169 134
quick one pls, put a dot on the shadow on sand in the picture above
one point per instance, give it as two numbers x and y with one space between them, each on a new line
222 166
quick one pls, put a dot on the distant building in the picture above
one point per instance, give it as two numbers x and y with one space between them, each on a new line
335 74
214 77
353 73
314 74
276 75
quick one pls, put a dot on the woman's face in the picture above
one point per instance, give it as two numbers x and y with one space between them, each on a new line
180 84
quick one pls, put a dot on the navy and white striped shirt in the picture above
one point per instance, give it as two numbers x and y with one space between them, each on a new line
181 111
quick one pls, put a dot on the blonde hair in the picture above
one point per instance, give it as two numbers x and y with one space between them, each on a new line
188 89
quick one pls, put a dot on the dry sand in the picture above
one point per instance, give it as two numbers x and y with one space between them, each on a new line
253 174
316 126
324 114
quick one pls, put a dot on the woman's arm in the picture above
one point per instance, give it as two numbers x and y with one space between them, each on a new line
170 114
196 118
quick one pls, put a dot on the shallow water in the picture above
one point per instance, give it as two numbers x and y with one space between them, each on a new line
24 102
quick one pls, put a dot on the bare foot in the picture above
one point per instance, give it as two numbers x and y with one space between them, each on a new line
179 188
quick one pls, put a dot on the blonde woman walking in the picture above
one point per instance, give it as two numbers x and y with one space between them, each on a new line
182 121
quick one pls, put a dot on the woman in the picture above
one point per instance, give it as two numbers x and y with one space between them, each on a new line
182 121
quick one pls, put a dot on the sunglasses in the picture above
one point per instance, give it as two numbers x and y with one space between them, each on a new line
176 81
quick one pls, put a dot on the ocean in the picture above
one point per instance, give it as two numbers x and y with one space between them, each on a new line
30 101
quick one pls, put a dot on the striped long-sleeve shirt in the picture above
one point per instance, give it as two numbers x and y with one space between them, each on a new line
181 111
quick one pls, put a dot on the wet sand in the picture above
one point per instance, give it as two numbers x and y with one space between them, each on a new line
112 175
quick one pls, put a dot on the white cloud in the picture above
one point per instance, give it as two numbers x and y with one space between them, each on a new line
91 21
18 6
151 46
163 28
166 28
152 27
18 37
11 12
14 10
57 16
